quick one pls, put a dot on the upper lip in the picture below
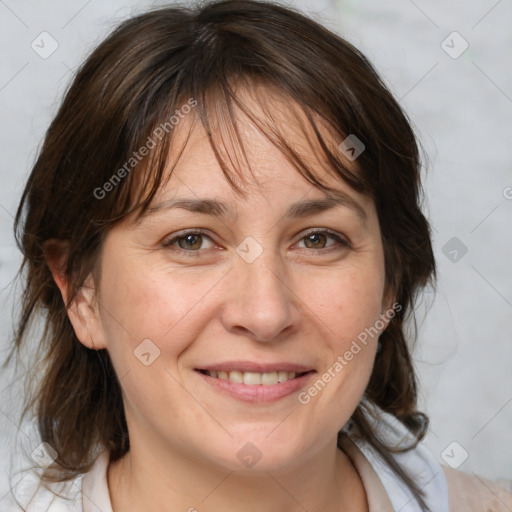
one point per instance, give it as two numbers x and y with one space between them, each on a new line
251 366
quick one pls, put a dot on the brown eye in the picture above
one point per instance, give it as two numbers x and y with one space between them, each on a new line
192 241
319 240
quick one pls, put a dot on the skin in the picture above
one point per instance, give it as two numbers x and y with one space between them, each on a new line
293 303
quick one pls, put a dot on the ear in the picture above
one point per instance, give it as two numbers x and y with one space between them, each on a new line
83 311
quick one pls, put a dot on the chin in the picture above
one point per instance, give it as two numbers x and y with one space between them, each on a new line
258 454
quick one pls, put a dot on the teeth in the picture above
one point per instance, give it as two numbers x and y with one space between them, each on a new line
251 378
236 377
282 376
267 379
254 378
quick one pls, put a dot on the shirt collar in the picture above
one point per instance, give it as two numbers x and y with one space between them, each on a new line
378 499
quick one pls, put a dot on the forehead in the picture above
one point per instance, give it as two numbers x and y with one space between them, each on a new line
250 144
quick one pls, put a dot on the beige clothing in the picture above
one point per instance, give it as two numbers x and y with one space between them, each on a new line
467 493
472 492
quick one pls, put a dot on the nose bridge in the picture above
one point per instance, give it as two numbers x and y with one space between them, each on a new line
261 302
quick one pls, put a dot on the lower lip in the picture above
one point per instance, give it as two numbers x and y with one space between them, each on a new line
257 393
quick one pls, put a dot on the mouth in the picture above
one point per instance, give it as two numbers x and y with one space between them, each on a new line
255 378
255 383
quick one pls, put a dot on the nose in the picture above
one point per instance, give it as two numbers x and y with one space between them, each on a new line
260 303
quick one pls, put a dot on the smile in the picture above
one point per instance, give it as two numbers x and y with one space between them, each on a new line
243 382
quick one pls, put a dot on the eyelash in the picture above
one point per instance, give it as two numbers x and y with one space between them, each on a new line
195 253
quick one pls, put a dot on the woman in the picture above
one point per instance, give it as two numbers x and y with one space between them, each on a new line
223 226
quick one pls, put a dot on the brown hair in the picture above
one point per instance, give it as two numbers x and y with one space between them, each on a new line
128 87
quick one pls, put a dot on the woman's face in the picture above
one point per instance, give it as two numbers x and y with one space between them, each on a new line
248 293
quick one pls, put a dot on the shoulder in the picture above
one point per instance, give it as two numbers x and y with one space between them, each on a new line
473 493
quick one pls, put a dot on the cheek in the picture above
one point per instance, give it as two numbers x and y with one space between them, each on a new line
347 301
142 302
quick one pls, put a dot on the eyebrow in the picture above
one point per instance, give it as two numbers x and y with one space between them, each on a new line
299 209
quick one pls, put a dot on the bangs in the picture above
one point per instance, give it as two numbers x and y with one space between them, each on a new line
312 149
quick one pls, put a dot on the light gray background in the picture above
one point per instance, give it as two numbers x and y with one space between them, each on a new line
461 108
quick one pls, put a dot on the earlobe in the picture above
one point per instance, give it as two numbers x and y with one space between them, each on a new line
83 310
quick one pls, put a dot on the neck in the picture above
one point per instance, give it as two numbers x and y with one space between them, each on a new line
145 479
